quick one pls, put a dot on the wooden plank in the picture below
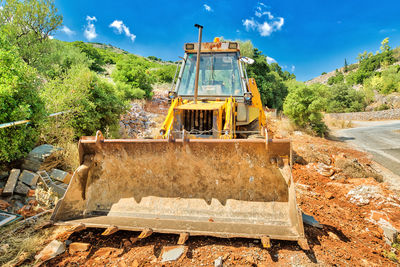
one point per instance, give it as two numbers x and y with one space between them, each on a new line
11 182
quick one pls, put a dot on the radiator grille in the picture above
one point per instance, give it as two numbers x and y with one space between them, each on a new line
198 121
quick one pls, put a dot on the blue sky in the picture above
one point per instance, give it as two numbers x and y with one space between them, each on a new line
306 37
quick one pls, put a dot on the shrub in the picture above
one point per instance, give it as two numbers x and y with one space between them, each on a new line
385 82
62 56
97 60
165 73
303 106
382 107
19 100
135 73
128 92
344 98
338 78
94 104
368 65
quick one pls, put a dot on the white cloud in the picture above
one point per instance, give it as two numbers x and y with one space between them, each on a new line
266 23
67 31
293 68
89 18
90 29
270 60
208 8
121 27
250 24
50 37
265 29
259 14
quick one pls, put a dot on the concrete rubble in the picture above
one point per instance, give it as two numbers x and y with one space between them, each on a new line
362 194
26 193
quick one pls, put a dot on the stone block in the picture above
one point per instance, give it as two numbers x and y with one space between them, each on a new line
21 188
37 156
11 182
29 178
61 176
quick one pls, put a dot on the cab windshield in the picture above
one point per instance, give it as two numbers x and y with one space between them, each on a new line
218 75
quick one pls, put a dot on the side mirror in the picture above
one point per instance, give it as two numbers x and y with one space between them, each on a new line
247 60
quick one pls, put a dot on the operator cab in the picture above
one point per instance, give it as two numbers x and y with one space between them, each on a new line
220 72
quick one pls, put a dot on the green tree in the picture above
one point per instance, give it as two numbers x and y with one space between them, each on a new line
270 84
29 25
385 45
246 48
346 66
303 106
19 100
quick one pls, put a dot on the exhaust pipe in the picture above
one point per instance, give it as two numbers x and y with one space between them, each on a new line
196 82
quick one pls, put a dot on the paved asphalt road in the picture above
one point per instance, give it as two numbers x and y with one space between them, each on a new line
381 139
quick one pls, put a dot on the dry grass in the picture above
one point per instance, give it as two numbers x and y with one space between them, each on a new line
283 128
20 242
337 124
66 159
55 132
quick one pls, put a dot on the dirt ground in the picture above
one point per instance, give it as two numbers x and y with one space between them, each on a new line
335 183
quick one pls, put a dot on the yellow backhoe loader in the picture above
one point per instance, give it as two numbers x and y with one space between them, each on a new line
214 170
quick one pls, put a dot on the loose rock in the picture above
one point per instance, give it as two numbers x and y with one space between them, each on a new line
51 250
172 253
218 262
78 247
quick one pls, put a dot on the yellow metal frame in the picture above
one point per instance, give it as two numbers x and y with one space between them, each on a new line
256 102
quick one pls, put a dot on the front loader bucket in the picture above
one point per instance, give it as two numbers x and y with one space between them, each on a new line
223 188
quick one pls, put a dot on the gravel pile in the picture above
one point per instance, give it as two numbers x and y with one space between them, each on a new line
137 122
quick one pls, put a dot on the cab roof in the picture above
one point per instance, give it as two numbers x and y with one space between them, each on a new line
212 47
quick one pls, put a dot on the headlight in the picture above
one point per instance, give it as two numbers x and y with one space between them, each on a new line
248 97
171 95
233 45
189 46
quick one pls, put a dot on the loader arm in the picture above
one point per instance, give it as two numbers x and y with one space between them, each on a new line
256 102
